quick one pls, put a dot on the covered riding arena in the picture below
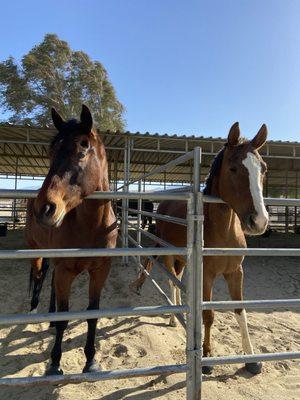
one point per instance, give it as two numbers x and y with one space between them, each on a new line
138 342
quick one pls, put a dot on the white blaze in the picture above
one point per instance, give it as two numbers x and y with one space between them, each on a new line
254 168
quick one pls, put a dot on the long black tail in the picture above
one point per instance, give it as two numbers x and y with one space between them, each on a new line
36 283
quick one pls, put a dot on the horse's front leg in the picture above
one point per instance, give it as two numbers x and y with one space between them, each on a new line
62 279
235 286
208 319
97 279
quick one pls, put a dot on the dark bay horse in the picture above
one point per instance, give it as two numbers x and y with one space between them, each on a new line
236 176
60 218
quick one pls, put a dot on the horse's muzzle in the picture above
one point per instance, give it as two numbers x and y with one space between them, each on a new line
254 224
48 216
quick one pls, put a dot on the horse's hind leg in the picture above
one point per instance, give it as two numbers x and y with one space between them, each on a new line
169 262
136 285
63 279
97 279
235 285
52 306
39 268
179 267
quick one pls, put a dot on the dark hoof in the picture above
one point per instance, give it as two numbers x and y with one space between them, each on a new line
52 330
254 368
91 367
135 289
207 370
54 371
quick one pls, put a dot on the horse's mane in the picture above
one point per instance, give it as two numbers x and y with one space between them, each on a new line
216 166
214 171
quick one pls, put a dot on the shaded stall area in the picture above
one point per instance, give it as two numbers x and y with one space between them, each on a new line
24 149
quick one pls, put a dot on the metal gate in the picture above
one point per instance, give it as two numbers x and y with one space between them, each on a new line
194 252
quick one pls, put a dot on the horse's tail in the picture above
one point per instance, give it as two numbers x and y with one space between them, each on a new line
38 272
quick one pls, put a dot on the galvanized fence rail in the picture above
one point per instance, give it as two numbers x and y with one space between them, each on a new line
194 252
137 252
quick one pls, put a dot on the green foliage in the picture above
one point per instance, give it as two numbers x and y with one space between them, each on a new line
52 75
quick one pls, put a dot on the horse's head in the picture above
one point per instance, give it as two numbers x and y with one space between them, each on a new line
241 179
78 167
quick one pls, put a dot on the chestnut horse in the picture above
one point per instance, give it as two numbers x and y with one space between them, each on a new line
236 176
60 217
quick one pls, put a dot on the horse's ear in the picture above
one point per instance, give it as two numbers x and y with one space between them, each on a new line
57 119
260 139
86 118
234 135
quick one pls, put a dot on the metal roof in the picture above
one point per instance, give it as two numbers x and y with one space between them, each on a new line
23 150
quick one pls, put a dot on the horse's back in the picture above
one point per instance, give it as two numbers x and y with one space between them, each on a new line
170 231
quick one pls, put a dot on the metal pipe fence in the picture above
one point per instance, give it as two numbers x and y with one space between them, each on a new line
194 252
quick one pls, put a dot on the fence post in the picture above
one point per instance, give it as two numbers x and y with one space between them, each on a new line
190 331
125 201
139 234
194 268
198 267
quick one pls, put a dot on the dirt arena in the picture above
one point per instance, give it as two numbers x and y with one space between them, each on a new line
137 342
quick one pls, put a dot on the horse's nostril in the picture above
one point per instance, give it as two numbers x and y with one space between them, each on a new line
251 220
49 209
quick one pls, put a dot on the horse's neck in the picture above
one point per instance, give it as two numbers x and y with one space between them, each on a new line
96 212
221 221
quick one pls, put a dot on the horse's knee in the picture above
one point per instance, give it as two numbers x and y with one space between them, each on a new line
208 317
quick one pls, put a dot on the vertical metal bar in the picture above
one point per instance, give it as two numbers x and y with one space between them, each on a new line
144 181
129 143
196 169
14 211
194 293
198 270
190 337
123 226
139 217
115 173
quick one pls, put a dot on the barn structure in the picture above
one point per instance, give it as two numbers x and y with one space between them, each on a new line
24 149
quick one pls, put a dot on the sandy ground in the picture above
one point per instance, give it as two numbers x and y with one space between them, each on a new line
147 341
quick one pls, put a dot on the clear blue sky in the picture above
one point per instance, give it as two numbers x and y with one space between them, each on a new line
186 67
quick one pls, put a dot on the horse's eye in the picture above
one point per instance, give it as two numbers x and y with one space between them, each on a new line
233 169
84 144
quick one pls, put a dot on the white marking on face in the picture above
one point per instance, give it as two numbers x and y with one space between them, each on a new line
253 166
246 342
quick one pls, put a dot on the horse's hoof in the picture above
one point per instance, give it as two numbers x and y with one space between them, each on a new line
54 371
173 323
135 289
207 370
91 367
254 368
52 330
